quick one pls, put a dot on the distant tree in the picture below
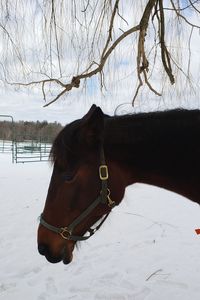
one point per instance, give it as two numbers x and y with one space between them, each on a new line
43 131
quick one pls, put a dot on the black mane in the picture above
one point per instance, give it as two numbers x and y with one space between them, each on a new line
157 139
62 146
139 136
131 127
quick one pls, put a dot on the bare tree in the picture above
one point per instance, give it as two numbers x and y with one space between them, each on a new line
41 39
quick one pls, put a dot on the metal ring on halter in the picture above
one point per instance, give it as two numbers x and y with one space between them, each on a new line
65 233
103 172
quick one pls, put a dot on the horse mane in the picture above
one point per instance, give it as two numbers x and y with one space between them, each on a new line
140 131
167 140
152 125
62 146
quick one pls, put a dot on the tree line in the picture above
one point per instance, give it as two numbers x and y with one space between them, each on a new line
28 130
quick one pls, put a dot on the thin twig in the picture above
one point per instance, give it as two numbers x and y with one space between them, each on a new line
110 28
44 81
86 7
181 16
193 6
149 85
154 273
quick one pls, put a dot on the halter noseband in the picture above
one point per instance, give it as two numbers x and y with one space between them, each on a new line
104 197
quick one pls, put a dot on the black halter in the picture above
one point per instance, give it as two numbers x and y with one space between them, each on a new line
104 197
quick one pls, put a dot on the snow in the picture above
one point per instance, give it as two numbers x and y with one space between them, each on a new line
147 249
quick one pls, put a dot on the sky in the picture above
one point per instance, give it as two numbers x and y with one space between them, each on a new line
119 75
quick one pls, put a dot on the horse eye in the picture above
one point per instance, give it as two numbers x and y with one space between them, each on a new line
68 177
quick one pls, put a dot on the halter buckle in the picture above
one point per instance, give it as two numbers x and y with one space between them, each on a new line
111 203
65 233
103 172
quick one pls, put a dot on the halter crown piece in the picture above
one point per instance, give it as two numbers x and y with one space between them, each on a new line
104 197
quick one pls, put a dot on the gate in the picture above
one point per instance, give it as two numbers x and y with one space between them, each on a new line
23 151
31 151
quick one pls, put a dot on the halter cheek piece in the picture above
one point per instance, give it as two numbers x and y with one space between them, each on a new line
104 197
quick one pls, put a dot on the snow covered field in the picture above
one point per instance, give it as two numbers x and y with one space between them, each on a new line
147 249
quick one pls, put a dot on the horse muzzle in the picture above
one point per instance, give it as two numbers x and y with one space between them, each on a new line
65 255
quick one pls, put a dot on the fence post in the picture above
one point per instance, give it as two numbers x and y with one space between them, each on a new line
13 135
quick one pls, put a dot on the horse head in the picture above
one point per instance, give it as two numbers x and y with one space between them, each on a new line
84 186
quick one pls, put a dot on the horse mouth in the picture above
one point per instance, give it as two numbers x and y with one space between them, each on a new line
65 256
55 260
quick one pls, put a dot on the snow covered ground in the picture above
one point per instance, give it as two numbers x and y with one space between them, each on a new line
147 249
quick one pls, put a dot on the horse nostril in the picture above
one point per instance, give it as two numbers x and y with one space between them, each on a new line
42 249
67 260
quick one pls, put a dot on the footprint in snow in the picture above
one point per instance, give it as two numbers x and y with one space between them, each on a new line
50 289
50 286
173 283
6 286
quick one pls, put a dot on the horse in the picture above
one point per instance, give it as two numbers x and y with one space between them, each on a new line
96 157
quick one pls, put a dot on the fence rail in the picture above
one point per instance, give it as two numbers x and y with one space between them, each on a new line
26 151
6 146
31 151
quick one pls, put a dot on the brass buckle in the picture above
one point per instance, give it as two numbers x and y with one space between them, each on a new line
103 172
65 233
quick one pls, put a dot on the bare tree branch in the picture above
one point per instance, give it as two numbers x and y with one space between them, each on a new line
99 46
75 82
164 52
142 61
99 69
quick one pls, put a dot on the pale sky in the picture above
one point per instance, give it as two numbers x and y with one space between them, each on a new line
120 80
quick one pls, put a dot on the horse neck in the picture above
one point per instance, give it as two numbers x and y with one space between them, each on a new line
162 150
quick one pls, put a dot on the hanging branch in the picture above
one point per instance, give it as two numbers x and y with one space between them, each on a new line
164 52
76 79
153 9
109 39
75 82
142 61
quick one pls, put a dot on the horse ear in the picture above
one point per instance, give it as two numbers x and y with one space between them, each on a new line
92 125
93 113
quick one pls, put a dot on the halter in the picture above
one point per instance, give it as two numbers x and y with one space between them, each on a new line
104 197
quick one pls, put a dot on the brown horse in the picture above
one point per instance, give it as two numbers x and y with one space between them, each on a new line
97 157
